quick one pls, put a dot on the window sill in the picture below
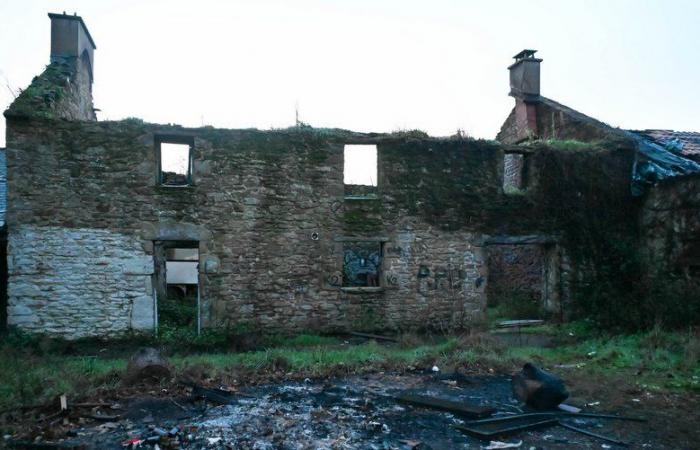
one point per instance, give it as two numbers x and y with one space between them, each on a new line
168 187
175 191
361 198
362 289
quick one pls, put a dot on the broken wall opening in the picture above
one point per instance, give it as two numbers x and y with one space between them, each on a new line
360 170
174 158
177 284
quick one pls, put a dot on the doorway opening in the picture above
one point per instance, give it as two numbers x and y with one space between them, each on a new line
177 284
524 279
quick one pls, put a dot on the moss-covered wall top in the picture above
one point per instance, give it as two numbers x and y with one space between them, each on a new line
73 174
62 90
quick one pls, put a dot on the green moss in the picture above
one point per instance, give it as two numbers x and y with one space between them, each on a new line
364 215
569 144
513 190
410 134
45 91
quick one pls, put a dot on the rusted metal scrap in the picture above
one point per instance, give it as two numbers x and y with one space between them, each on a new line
595 435
497 426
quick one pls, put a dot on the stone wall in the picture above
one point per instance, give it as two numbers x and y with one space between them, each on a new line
670 224
269 213
78 282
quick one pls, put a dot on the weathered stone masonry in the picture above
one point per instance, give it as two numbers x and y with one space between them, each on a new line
85 212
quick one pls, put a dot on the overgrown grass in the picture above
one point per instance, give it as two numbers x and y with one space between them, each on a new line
513 190
30 376
659 359
656 359
30 380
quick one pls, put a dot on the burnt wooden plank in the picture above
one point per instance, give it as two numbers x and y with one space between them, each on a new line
461 408
372 336
489 429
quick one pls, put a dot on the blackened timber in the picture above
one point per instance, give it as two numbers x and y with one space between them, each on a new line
489 428
461 408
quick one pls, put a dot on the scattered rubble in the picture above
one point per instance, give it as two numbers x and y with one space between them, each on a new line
369 411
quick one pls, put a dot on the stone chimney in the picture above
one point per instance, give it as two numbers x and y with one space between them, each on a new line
71 40
525 88
525 76
72 51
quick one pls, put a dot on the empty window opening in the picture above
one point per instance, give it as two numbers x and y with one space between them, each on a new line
174 160
360 165
362 264
177 270
513 173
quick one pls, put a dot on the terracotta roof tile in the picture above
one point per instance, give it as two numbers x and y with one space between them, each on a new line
689 139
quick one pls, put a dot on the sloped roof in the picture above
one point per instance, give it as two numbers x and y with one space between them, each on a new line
3 186
689 140
578 115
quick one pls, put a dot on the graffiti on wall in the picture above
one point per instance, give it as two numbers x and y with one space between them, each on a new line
362 263
440 278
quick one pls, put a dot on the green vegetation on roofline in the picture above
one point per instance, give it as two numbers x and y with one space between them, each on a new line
571 145
39 99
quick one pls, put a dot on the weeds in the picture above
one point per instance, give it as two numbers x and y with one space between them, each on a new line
31 375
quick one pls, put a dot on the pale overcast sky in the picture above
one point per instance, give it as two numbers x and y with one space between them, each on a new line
370 65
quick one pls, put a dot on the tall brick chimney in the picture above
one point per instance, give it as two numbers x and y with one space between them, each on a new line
525 88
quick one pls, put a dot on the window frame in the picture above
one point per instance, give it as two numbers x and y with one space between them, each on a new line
380 267
188 140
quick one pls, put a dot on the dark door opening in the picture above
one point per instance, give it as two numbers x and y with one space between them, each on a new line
516 284
524 280
177 284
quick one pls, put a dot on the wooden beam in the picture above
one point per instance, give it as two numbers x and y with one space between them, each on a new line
461 408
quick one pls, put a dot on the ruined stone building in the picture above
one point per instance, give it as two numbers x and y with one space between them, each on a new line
108 219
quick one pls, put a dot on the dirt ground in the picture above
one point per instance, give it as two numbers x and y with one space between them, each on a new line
356 411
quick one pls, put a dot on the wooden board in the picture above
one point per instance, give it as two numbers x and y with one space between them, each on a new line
461 408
